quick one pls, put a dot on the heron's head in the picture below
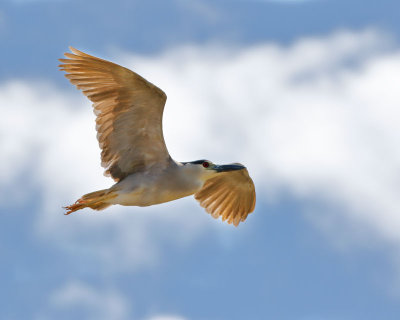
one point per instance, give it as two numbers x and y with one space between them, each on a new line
206 169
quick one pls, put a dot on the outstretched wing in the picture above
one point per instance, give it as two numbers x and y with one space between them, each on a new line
129 113
230 195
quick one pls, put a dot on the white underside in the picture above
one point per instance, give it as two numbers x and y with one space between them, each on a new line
146 190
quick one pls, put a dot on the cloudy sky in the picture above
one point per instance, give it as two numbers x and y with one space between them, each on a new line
305 93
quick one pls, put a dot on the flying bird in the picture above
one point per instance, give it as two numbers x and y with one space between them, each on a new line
129 112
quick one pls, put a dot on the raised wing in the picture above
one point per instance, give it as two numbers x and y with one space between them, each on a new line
129 113
230 195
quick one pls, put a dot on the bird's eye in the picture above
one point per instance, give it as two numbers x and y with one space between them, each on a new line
206 164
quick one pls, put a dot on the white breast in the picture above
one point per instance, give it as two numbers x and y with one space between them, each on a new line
145 190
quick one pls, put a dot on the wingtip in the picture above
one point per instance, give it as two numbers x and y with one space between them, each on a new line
72 49
79 54
63 60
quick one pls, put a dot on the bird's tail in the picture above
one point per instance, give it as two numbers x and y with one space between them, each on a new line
97 200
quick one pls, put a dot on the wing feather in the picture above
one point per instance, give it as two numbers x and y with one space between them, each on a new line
230 195
128 111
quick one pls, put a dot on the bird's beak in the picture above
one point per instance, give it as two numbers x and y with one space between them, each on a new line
228 167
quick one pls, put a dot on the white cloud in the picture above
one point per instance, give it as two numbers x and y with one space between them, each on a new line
93 303
317 119
96 304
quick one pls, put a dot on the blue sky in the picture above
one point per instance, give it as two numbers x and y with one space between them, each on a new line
303 92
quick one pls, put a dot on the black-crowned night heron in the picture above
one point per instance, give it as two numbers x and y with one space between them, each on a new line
129 113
